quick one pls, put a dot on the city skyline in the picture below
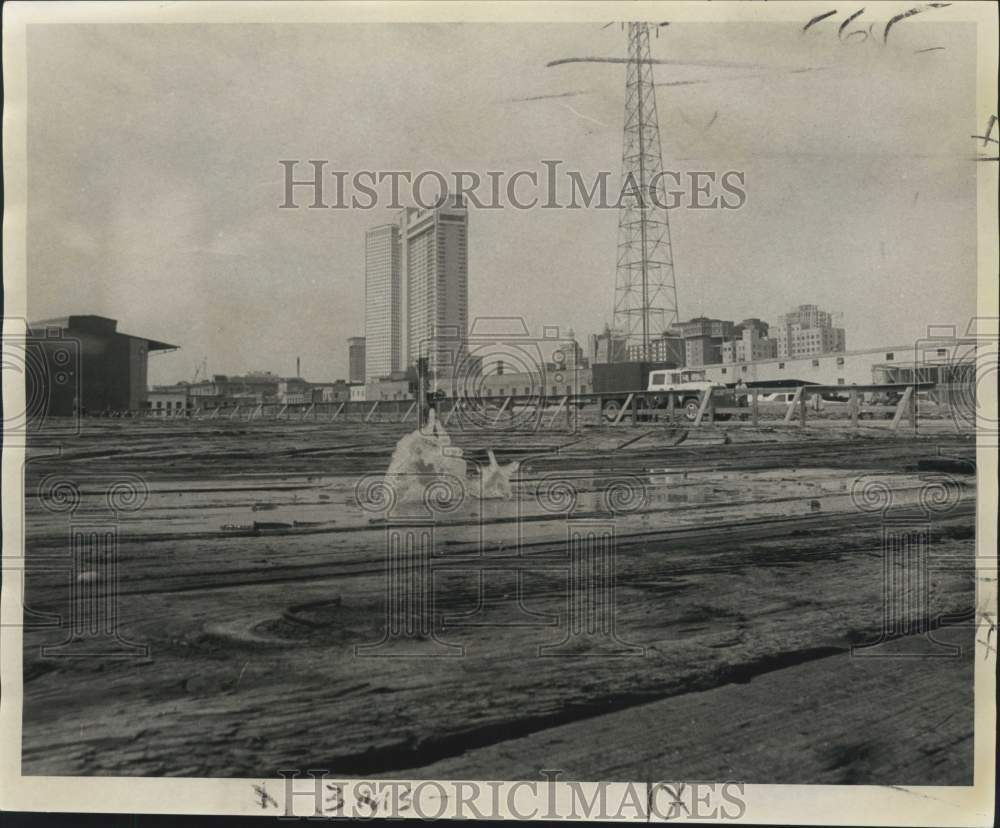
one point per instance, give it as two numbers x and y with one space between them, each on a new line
852 126
803 331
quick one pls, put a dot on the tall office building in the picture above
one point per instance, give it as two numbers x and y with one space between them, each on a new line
383 303
435 266
356 359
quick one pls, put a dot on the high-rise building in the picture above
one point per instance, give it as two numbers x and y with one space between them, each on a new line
383 302
356 359
417 291
808 330
435 267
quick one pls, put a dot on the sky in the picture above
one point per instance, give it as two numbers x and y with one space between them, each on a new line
154 178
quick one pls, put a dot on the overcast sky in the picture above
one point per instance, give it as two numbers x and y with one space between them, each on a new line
154 182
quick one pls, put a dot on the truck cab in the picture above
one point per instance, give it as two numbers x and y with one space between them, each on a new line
687 385
680 379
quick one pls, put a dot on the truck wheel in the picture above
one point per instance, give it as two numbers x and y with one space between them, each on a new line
611 409
691 408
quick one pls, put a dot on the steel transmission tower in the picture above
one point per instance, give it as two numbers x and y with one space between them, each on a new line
645 290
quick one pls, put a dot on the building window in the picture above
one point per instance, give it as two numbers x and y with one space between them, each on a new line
569 390
527 392
723 370
781 365
890 356
583 389
840 361
743 368
840 380
815 363
942 352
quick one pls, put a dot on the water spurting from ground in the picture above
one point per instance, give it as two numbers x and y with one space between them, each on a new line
427 455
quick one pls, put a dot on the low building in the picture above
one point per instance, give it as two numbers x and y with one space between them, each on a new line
356 359
293 390
952 364
326 392
169 400
389 388
256 387
553 383
837 368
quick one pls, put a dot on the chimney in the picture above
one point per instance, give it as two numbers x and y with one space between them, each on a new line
298 366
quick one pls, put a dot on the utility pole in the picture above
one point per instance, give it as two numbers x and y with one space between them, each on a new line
423 405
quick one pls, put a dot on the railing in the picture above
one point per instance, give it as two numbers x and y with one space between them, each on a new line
753 406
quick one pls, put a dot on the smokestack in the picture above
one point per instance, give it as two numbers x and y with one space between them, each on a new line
298 366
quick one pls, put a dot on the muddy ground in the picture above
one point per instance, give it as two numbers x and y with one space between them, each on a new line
252 566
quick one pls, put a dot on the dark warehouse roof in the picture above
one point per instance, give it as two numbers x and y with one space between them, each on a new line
97 326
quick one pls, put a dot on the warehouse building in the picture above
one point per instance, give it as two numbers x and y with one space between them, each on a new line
87 366
837 368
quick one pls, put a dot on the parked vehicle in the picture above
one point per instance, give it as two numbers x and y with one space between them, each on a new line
776 397
685 385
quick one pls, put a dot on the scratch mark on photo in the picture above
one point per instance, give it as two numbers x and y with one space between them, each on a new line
818 18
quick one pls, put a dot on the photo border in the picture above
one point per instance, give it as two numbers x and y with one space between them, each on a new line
801 804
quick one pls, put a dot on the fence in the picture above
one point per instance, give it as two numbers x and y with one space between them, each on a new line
796 406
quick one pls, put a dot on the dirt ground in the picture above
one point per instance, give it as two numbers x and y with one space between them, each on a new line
746 564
